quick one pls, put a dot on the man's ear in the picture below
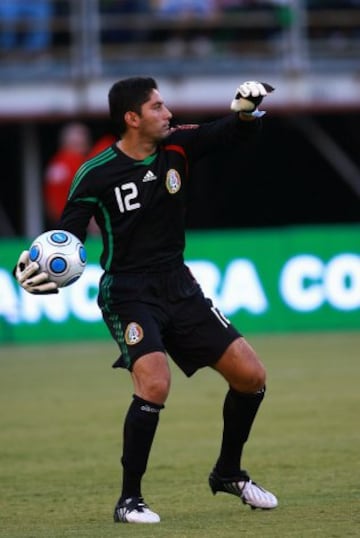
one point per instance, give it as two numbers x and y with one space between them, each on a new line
132 118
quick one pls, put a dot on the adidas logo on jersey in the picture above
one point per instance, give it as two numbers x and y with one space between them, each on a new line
149 176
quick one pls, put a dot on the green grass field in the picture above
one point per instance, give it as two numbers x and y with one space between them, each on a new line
60 438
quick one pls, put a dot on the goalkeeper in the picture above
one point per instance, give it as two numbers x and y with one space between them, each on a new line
154 308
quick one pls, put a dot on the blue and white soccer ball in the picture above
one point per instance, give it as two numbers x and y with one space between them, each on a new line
60 254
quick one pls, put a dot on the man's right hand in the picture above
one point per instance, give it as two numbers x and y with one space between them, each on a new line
26 273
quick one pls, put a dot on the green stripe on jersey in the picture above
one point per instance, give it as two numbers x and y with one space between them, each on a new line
147 161
108 228
103 157
110 236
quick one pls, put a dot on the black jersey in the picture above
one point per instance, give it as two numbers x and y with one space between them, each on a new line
139 206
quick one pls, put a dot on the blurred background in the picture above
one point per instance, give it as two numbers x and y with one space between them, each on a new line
297 189
58 59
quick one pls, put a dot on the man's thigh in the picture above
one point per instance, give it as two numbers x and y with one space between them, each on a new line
137 331
199 334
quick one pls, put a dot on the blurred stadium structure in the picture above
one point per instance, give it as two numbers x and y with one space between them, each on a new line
309 50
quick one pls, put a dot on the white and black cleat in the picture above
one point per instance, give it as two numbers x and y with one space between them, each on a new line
134 510
242 486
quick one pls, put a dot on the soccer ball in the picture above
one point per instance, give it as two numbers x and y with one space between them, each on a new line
60 254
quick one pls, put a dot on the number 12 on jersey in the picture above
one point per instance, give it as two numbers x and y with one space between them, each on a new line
125 196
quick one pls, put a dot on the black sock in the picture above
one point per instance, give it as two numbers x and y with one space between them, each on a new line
139 430
238 413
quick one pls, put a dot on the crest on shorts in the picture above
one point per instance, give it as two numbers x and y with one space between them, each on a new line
173 181
133 334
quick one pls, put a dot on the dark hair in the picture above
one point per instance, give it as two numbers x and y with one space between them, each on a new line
128 94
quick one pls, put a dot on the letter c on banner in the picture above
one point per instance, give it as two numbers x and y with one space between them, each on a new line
301 283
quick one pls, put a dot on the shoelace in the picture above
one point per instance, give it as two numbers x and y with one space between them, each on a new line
140 506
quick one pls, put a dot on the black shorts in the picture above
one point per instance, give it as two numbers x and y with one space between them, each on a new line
168 312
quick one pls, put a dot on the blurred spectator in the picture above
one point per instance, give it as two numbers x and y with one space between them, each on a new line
228 6
25 24
115 32
333 4
185 8
74 145
338 38
183 40
235 38
284 12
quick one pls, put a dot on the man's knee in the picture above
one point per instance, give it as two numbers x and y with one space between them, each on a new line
151 376
242 368
156 389
254 381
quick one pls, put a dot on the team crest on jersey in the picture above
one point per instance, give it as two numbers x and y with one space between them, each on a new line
133 334
173 181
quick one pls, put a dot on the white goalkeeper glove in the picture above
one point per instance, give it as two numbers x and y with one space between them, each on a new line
26 273
248 97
